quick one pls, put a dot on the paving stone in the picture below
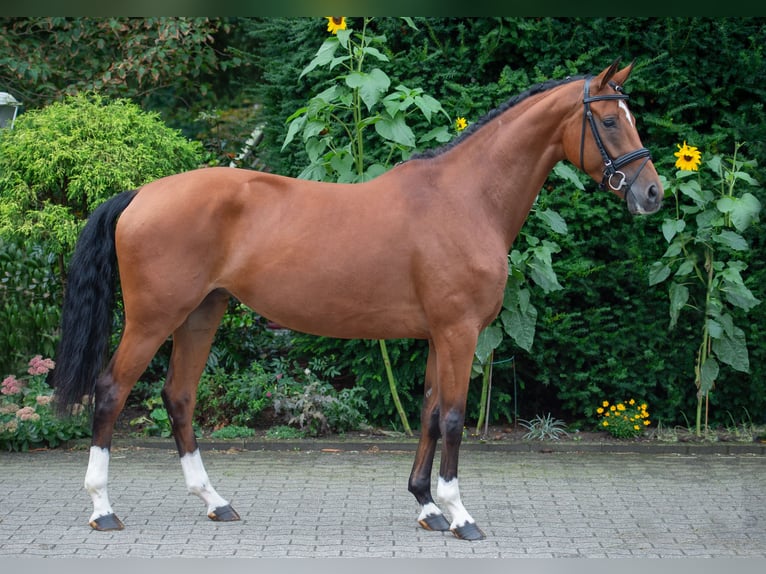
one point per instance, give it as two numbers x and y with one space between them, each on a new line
355 504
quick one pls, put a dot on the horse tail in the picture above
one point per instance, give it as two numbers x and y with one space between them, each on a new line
89 300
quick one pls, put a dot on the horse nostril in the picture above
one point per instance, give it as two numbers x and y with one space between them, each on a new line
652 192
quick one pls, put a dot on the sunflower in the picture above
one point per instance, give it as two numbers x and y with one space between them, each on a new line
688 157
335 23
461 124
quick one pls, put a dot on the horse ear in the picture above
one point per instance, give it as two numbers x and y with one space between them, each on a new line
603 78
621 77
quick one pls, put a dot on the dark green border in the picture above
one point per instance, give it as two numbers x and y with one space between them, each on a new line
529 8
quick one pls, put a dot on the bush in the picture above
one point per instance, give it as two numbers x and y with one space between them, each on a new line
60 162
316 408
27 417
235 398
30 312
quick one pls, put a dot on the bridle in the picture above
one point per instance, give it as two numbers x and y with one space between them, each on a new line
611 167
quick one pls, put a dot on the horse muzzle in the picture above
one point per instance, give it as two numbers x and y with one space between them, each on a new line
644 200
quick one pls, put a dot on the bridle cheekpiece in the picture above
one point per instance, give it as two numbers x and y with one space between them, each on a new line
611 166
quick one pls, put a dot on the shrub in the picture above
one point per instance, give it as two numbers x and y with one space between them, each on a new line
316 407
625 419
233 398
60 162
27 417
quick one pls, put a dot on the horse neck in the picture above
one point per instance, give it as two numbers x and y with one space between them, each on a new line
505 163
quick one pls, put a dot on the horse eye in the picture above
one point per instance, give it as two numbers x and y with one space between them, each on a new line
609 122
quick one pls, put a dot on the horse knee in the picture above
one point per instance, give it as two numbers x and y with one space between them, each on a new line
452 425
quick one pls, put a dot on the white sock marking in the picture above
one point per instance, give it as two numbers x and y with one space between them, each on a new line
96 478
429 509
449 494
198 482
624 108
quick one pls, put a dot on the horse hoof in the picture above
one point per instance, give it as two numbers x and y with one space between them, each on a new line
434 522
224 514
469 531
107 522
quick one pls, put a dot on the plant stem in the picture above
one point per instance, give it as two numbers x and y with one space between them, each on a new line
392 385
485 377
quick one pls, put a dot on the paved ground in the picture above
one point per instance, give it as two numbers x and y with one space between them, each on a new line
355 504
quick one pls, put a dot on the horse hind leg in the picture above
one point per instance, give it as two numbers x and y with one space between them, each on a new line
112 390
191 346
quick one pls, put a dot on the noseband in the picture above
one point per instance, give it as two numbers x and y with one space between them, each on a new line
611 167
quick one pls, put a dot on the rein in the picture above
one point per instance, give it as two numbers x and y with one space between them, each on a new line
611 167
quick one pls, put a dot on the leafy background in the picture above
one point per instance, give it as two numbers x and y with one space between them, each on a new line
605 334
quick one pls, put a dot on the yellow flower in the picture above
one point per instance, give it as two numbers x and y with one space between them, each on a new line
461 124
636 427
605 404
599 410
605 423
632 402
335 23
620 407
647 422
688 157
613 408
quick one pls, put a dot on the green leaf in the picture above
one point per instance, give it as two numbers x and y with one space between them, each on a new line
371 86
708 375
745 211
553 220
375 53
670 227
295 126
343 37
731 239
396 130
429 105
686 267
520 326
731 348
441 135
658 272
323 56
489 340
567 173
679 295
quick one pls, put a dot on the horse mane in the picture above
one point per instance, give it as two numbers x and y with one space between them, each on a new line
491 115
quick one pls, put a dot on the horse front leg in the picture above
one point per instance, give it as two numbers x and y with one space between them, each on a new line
191 346
431 516
454 359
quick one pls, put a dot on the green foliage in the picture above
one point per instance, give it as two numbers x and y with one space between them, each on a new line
159 61
233 397
708 253
27 417
157 423
59 163
359 360
624 419
30 294
316 408
232 431
544 428
605 333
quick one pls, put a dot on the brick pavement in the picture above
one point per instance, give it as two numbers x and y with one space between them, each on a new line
356 504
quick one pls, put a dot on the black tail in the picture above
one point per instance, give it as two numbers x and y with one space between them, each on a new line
86 318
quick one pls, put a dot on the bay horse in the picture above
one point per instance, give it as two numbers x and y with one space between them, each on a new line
419 252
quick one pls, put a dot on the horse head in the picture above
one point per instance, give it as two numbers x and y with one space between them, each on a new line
605 144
